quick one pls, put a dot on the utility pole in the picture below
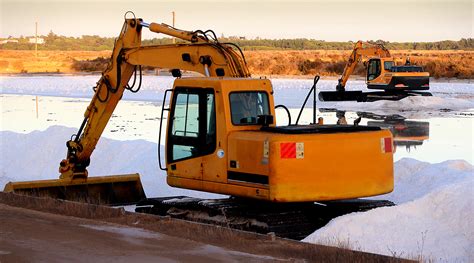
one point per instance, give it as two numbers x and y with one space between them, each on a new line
37 107
36 39
174 39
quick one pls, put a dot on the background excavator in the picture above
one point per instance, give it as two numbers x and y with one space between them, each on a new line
396 81
221 137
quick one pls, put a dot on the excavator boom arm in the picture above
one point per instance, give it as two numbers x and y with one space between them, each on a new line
208 59
202 55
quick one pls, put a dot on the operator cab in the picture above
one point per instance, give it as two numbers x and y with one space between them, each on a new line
202 111
192 129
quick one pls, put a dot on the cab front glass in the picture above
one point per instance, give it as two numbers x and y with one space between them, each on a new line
246 106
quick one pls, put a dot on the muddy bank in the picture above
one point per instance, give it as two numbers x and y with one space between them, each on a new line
268 246
43 237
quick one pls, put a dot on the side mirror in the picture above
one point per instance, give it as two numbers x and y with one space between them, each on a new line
265 120
176 73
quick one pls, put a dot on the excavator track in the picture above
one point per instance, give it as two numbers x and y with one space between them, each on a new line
293 221
371 96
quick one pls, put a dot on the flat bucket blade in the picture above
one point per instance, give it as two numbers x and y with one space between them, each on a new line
105 190
340 95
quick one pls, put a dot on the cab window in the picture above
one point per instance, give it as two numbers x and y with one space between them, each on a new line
373 71
192 130
388 65
246 106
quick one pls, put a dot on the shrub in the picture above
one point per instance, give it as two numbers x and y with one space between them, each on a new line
90 65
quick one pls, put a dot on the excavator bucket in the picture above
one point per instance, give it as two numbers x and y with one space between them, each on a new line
105 190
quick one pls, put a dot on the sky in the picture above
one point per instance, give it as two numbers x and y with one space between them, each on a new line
402 20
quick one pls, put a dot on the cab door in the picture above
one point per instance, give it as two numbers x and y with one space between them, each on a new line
191 131
373 70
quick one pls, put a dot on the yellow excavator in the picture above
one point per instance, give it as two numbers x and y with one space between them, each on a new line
221 138
396 81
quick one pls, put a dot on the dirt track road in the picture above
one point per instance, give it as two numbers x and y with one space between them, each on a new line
31 236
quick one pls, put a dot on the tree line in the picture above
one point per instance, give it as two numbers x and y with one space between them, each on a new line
97 43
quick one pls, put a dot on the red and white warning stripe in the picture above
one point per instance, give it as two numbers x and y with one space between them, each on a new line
386 144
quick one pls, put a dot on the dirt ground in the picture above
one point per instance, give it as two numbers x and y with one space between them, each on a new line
32 236
41 229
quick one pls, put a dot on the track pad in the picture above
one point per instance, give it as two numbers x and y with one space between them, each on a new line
340 95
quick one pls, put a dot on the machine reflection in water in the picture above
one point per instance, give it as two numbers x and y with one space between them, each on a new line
408 134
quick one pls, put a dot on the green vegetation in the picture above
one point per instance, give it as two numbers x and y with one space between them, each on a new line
311 44
97 43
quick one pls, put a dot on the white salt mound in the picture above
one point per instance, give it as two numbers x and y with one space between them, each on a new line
433 218
37 155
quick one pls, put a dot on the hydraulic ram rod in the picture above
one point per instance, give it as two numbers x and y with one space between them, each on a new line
171 31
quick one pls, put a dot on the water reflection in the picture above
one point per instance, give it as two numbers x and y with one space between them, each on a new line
407 134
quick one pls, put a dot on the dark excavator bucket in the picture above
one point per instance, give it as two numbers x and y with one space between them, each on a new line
340 95
105 190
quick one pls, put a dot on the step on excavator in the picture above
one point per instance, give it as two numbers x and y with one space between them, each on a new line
395 81
221 138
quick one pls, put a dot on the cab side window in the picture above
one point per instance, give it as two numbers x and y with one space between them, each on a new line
186 115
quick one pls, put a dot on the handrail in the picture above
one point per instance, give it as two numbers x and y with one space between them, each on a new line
287 112
313 88
161 125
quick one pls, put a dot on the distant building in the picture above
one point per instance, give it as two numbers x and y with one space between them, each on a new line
8 41
33 40
236 38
